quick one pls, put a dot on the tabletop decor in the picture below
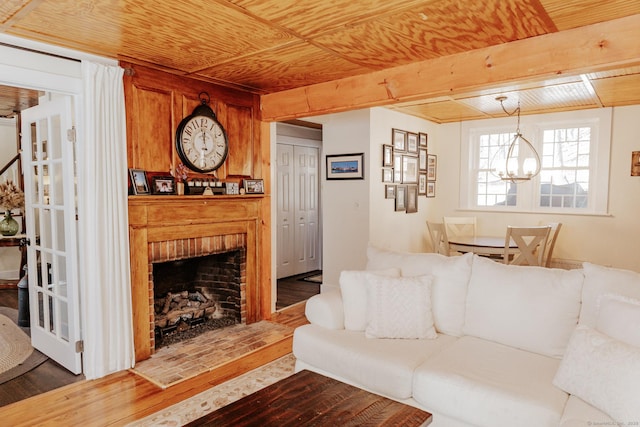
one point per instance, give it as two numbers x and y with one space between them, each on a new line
11 197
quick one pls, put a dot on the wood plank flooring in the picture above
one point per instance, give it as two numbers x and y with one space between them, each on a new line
123 397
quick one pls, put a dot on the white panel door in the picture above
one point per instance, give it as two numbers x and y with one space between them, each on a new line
306 208
48 159
285 215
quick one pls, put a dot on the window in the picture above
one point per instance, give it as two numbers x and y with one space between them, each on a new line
574 153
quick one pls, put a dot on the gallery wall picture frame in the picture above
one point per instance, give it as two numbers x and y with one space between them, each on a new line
163 184
387 155
422 156
422 184
345 166
432 165
253 186
139 181
412 199
412 142
389 191
401 198
431 189
399 139
387 175
409 170
397 168
423 139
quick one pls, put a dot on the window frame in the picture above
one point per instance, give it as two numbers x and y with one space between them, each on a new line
533 127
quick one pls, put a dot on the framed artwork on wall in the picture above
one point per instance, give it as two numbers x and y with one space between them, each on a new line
345 166
432 164
412 199
422 156
409 170
399 138
387 155
387 175
389 191
401 198
422 184
431 189
412 143
422 139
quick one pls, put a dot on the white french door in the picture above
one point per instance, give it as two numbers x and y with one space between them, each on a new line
48 159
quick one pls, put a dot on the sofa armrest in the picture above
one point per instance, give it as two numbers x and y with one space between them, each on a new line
325 309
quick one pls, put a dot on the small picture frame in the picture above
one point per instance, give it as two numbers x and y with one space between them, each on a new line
387 175
432 164
139 181
253 186
232 188
401 198
423 139
412 199
397 168
163 185
387 155
635 163
431 189
422 155
422 184
409 170
399 139
389 191
412 143
345 166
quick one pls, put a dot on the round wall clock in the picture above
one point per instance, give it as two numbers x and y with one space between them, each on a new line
201 141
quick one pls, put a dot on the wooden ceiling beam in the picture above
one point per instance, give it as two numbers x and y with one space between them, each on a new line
580 50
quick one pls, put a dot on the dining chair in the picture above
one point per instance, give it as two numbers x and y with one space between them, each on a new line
439 239
551 242
460 225
531 242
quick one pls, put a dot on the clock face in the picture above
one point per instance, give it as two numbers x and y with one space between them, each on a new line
202 143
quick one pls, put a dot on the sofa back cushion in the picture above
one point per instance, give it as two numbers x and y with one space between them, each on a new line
619 318
450 281
531 308
600 281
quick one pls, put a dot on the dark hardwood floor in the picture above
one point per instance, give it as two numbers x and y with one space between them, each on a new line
292 290
49 375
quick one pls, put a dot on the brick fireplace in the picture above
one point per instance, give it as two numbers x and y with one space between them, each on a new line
164 228
210 271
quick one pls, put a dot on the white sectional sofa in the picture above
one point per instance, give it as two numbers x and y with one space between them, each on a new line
480 343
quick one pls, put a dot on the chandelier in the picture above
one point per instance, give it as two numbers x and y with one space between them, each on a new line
520 148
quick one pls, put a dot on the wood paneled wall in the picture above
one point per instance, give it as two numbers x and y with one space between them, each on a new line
156 102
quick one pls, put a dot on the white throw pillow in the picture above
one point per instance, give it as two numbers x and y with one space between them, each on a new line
531 308
450 281
619 318
354 295
400 308
598 281
603 372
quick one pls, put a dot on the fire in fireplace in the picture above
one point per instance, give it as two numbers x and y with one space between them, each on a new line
197 294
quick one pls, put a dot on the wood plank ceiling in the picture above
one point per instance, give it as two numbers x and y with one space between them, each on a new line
269 46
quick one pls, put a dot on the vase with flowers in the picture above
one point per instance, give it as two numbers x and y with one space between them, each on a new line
11 198
180 174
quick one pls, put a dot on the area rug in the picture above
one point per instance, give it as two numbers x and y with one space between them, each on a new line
316 278
221 395
16 354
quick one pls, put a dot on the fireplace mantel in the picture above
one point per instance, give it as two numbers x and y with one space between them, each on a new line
162 218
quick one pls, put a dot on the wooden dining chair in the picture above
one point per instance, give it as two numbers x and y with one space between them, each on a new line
460 225
439 238
551 242
531 242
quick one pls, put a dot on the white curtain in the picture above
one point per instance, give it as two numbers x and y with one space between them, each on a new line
103 224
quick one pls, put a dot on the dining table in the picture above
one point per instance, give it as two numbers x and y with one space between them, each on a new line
481 245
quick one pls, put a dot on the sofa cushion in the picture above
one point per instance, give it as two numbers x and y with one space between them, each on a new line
353 285
619 318
383 366
531 308
399 307
450 280
489 384
598 281
578 413
602 371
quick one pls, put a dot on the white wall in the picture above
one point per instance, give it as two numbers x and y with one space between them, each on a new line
612 240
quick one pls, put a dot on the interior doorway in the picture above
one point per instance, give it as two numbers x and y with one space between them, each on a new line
298 213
